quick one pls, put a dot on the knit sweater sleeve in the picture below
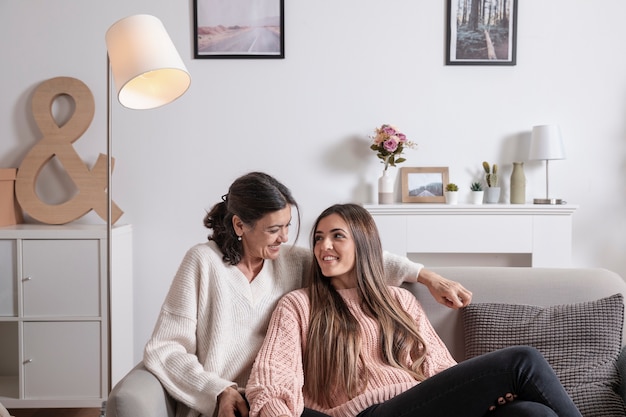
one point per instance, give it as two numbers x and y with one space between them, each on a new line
275 385
171 352
399 269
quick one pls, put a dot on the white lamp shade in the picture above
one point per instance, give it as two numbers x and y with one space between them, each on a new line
546 143
147 70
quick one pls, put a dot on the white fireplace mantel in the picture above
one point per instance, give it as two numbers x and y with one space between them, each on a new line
486 234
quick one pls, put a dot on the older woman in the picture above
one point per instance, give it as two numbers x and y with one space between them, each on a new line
215 315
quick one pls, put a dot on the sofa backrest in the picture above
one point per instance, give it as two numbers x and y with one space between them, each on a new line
515 285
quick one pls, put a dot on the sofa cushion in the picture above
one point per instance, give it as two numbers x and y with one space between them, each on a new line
580 341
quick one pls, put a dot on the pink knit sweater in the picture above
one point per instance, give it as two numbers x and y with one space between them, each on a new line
276 381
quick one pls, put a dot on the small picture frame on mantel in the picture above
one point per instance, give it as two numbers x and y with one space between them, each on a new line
424 184
480 33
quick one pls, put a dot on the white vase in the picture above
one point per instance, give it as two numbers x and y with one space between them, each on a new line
452 197
477 197
385 188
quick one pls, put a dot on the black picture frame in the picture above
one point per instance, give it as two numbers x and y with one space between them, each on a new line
490 39
225 29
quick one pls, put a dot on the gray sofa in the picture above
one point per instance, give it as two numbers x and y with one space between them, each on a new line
139 394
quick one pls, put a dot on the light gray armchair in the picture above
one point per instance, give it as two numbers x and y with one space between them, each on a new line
140 394
4 412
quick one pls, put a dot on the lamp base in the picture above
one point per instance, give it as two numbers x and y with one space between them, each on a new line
548 201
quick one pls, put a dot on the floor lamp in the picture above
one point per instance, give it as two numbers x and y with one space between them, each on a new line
546 143
148 73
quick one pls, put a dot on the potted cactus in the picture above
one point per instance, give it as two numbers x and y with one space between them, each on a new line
451 193
492 193
477 193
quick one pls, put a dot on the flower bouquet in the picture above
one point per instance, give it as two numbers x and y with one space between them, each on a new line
389 143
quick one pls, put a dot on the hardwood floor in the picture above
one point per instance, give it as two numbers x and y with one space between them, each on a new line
55 412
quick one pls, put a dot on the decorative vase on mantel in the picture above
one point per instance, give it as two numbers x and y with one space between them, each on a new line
518 184
385 188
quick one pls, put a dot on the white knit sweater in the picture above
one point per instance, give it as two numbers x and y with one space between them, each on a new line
213 321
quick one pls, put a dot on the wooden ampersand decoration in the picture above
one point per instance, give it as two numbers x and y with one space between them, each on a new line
57 142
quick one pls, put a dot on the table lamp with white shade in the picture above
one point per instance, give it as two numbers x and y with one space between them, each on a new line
546 144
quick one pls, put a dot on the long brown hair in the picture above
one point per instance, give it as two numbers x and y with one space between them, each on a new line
332 358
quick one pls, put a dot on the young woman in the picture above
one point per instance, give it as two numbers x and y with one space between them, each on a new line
349 345
214 317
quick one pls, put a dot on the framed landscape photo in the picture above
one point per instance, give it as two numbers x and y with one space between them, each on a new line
424 185
239 29
481 32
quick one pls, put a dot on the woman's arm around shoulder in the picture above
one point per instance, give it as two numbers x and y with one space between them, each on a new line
447 292
399 269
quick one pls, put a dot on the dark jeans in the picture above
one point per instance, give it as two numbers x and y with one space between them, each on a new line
471 387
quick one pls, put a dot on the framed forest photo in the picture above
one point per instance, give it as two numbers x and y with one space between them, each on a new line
481 32
239 29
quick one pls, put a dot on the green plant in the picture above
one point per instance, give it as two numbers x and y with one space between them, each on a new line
491 174
476 186
452 187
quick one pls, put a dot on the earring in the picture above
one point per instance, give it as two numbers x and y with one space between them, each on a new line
239 238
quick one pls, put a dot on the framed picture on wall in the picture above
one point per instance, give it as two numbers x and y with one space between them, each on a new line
424 185
239 29
481 32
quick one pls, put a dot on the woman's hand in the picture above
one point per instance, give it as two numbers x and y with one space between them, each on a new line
508 398
447 292
230 403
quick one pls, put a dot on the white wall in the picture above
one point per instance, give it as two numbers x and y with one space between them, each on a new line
350 65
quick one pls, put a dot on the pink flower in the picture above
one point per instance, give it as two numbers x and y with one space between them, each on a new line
388 130
391 144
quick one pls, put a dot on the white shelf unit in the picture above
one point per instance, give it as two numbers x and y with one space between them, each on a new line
478 235
66 332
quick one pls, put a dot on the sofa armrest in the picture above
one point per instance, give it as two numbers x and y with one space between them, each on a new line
139 394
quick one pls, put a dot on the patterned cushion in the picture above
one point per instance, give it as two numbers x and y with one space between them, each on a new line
580 341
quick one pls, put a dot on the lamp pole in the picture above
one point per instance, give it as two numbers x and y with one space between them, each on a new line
109 231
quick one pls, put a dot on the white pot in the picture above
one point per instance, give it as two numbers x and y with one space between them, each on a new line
452 197
492 195
477 197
